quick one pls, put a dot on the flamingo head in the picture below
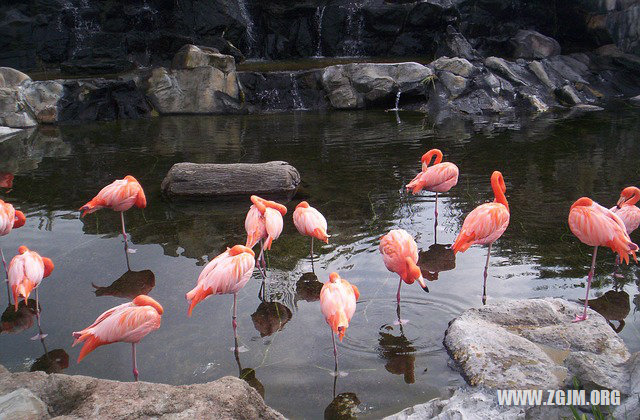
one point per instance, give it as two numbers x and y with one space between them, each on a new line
499 179
426 158
130 178
20 219
413 273
334 277
303 205
239 249
48 266
582 202
22 249
144 300
628 196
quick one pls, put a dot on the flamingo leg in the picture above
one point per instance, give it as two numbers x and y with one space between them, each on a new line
582 317
40 335
124 233
335 351
135 365
6 273
436 209
233 319
486 267
398 294
312 269
615 271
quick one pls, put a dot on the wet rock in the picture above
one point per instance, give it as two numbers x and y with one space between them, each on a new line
43 98
456 85
567 95
208 180
22 404
635 100
519 344
456 45
538 69
534 45
191 56
14 110
357 85
85 397
503 68
456 65
11 77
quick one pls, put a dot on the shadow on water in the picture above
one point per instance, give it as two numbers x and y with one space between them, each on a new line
13 322
129 285
613 305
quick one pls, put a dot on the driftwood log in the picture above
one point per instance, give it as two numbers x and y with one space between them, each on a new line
201 181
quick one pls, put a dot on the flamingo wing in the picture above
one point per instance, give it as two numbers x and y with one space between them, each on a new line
7 217
254 224
630 216
483 225
440 177
274 225
310 222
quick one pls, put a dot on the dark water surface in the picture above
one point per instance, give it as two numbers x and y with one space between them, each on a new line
353 166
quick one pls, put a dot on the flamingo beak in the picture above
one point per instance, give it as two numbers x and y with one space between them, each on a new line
423 284
621 201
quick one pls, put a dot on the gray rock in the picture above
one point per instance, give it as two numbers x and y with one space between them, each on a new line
12 78
455 65
208 180
635 100
569 70
456 45
501 66
630 408
516 344
191 56
14 110
538 69
456 85
85 397
534 102
21 404
201 90
533 45
567 95
43 98
356 85
6 132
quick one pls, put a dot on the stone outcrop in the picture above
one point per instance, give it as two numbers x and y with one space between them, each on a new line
206 181
533 45
27 393
523 344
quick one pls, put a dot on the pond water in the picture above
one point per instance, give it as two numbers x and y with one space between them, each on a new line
353 167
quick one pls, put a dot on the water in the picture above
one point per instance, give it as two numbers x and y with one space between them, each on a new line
353 166
298 103
250 27
319 15
352 45
82 28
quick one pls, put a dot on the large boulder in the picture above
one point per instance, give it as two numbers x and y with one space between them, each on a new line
191 56
11 77
21 404
521 344
359 85
210 180
533 45
14 111
86 397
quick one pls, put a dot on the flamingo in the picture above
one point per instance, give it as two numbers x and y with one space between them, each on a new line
26 271
438 178
10 219
120 195
263 223
400 254
628 212
227 273
338 303
126 323
597 226
485 224
310 222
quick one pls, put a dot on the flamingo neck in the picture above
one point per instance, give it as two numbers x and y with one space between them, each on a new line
412 271
426 158
498 191
634 198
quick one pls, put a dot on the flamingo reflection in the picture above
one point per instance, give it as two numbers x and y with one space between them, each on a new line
54 361
14 321
270 317
398 351
308 288
247 374
437 258
6 180
129 285
613 306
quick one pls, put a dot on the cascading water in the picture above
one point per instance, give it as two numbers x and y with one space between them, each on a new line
352 45
397 106
250 30
319 15
298 103
82 28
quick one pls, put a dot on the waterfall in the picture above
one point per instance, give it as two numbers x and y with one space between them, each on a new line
298 103
397 107
352 45
81 28
319 15
251 37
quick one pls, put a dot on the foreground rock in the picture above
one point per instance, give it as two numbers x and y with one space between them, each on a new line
85 397
210 180
523 344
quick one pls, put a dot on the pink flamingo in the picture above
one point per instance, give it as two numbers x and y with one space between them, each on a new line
263 223
120 195
628 212
126 323
26 271
400 255
597 226
438 178
310 222
227 273
485 224
338 304
10 219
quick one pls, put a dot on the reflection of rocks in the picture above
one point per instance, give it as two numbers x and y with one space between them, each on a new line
129 285
533 344
399 353
308 288
344 406
613 306
54 361
86 397
270 317
436 259
25 150
13 321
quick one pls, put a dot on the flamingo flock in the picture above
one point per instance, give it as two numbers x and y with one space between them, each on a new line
229 272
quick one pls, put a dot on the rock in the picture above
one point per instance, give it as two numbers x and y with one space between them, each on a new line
456 45
455 84
21 404
455 65
76 396
14 110
6 132
190 57
534 102
538 69
43 98
357 85
520 344
635 100
465 403
534 45
501 66
11 78
630 408
278 91
208 180
567 95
